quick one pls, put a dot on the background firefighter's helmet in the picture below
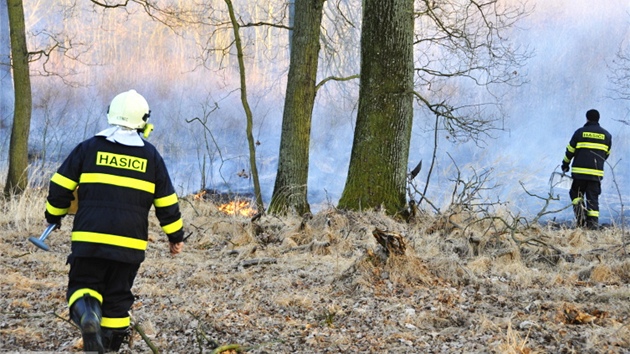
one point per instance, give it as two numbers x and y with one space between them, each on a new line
128 109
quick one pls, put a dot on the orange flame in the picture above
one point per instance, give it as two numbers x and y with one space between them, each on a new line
199 195
234 207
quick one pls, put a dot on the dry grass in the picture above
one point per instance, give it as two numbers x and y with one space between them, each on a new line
324 285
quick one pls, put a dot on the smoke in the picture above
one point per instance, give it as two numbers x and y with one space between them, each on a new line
573 43
6 82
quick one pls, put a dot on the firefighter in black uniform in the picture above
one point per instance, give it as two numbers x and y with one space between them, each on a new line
119 177
589 148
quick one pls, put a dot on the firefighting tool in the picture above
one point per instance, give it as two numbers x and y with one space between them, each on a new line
39 242
560 180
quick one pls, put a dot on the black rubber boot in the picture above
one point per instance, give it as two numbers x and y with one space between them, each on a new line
86 313
114 338
592 223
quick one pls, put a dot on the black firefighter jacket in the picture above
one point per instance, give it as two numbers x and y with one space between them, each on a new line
118 184
589 148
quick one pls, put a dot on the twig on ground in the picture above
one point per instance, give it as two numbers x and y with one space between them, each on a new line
146 339
258 261
65 319
191 205
311 246
21 255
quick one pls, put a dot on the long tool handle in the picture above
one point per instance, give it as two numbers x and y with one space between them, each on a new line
47 232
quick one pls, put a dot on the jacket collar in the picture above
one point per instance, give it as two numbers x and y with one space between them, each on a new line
120 135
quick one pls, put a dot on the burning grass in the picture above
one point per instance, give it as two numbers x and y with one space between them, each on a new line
323 283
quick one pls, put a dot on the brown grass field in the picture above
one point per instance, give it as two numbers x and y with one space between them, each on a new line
323 284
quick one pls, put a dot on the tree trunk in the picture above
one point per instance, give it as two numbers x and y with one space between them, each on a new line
380 150
17 177
248 112
290 189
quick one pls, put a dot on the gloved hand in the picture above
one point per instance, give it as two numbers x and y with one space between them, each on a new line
565 167
53 219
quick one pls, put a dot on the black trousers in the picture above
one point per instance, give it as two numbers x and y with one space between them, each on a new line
111 280
585 198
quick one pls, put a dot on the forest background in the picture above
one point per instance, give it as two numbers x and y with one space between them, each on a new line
450 282
567 68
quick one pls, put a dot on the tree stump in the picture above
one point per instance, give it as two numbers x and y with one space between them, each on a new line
392 242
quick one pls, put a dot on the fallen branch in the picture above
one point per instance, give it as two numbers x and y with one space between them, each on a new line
258 261
65 319
138 328
599 251
201 335
311 246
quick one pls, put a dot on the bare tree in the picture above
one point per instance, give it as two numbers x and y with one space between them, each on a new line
460 46
463 44
17 178
380 150
248 112
619 77
474 52
22 68
290 190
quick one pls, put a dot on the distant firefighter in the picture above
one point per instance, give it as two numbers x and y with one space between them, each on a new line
589 148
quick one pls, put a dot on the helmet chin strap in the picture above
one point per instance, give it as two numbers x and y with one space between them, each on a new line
146 131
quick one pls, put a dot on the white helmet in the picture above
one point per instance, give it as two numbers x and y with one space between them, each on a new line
128 109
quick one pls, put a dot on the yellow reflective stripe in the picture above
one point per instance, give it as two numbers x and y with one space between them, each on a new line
120 241
593 146
64 181
120 181
165 201
566 159
109 322
172 227
570 148
588 171
56 211
576 201
594 213
79 294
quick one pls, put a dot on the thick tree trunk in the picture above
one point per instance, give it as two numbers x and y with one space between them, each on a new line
17 177
380 151
290 189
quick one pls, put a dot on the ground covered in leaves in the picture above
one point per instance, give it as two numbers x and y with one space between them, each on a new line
324 284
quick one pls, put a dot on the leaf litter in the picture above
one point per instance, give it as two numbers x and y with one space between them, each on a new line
323 284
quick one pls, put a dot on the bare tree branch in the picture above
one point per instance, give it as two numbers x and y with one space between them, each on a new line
335 78
110 6
276 25
464 41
